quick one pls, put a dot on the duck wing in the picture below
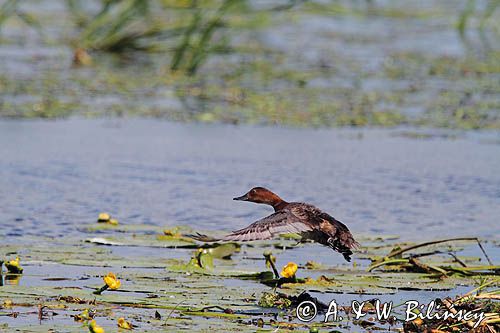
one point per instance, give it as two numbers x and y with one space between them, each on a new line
281 222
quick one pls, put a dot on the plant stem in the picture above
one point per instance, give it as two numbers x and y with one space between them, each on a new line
268 258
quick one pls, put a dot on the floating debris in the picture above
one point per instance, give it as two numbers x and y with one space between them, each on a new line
81 57
476 313
103 241
395 261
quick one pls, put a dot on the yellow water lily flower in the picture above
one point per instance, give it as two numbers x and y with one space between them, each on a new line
122 323
289 270
112 281
106 218
13 266
94 328
103 217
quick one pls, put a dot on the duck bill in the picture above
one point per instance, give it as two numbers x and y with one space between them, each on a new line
244 197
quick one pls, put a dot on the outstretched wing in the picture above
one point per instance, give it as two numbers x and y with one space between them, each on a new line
281 222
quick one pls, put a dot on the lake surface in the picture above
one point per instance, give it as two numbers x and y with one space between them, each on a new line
57 175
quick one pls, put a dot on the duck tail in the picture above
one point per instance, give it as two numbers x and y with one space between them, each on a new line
202 238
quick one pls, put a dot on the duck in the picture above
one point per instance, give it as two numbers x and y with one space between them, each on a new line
304 219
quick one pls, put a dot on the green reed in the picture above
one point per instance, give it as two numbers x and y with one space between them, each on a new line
10 9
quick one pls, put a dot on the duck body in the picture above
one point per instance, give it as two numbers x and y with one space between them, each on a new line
293 217
325 229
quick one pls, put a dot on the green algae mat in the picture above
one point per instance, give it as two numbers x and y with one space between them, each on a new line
150 279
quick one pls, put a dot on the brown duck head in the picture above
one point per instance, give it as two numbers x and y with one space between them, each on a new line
263 196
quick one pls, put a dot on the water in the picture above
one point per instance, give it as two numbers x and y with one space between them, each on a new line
58 175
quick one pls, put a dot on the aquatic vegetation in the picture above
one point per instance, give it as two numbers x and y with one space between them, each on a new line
190 54
10 9
274 300
174 235
227 70
116 27
470 10
203 259
229 293
120 26
258 84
